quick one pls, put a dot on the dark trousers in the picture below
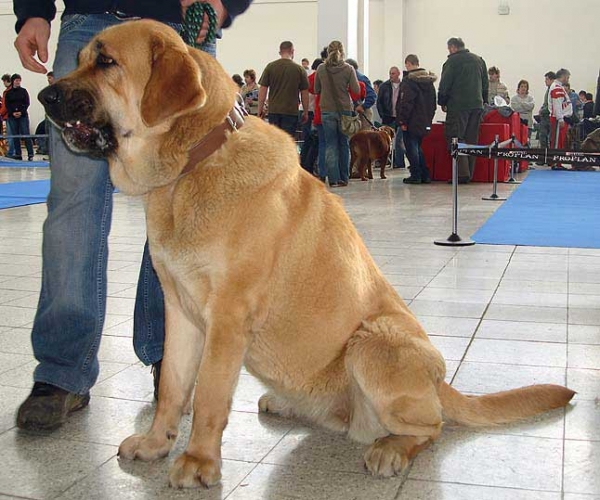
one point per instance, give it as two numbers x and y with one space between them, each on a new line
289 123
465 126
416 159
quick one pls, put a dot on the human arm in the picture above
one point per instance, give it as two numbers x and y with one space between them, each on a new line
405 104
370 96
304 101
32 43
445 87
485 82
262 97
353 84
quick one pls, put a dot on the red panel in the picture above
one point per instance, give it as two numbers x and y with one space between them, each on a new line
484 168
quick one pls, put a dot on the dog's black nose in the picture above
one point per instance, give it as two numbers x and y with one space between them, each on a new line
50 95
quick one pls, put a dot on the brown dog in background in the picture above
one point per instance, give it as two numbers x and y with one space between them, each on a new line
242 243
367 146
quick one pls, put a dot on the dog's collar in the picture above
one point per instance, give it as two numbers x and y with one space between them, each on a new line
212 141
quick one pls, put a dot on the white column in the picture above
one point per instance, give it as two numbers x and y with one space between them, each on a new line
339 20
393 33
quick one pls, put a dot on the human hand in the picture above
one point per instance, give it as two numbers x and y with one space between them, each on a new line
32 40
359 109
17 114
444 109
304 116
220 10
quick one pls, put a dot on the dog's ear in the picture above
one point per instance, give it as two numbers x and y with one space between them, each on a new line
174 86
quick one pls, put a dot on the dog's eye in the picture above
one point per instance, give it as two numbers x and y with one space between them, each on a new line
104 60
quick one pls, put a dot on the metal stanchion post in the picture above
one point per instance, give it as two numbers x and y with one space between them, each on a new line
513 163
494 196
454 240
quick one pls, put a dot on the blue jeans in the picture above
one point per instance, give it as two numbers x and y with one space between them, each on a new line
11 147
289 123
321 160
337 147
416 159
70 315
20 126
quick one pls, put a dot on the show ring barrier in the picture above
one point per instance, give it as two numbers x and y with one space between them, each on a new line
495 151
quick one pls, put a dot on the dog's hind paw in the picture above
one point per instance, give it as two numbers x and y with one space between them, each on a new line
145 447
189 471
269 403
390 455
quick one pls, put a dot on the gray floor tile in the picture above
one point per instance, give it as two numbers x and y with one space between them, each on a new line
584 356
274 482
452 309
492 460
584 316
581 467
31 468
134 480
527 313
452 348
584 334
585 382
430 490
448 326
515 330
483 378
583 420
517 352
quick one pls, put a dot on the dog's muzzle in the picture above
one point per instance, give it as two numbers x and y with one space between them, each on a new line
72 113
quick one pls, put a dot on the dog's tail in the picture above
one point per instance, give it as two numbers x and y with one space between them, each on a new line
502 407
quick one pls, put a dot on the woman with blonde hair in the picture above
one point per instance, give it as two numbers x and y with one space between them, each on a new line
333 81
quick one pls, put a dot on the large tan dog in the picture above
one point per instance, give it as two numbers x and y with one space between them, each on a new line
260 265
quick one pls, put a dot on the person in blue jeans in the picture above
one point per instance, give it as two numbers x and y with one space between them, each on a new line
333 80
70 315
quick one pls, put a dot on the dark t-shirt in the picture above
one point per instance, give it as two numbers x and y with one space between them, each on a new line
285 80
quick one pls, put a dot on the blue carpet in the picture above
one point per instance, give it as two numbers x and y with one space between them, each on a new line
18 194
10 163
550 209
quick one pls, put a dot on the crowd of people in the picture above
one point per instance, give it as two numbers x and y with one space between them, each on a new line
316 106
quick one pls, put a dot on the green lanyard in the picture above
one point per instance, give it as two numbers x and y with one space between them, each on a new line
193 22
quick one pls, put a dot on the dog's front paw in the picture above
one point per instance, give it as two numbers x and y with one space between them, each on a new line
385 458
190 471
383 176
146 447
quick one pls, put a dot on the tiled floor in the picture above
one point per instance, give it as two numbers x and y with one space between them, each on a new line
502 316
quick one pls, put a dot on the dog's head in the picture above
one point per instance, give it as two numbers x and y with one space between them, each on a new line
134 85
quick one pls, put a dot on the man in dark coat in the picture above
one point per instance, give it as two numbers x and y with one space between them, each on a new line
415 110
387 98
462 93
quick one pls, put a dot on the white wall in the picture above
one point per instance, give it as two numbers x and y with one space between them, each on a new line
524 44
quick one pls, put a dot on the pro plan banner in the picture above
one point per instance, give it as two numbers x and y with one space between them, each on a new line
532 155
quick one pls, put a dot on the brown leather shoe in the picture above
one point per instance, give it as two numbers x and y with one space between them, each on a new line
48 406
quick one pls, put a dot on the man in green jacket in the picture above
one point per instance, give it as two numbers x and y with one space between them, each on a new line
462 93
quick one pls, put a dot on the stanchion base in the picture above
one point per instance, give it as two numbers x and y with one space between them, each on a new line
512 181
454 240
493 197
